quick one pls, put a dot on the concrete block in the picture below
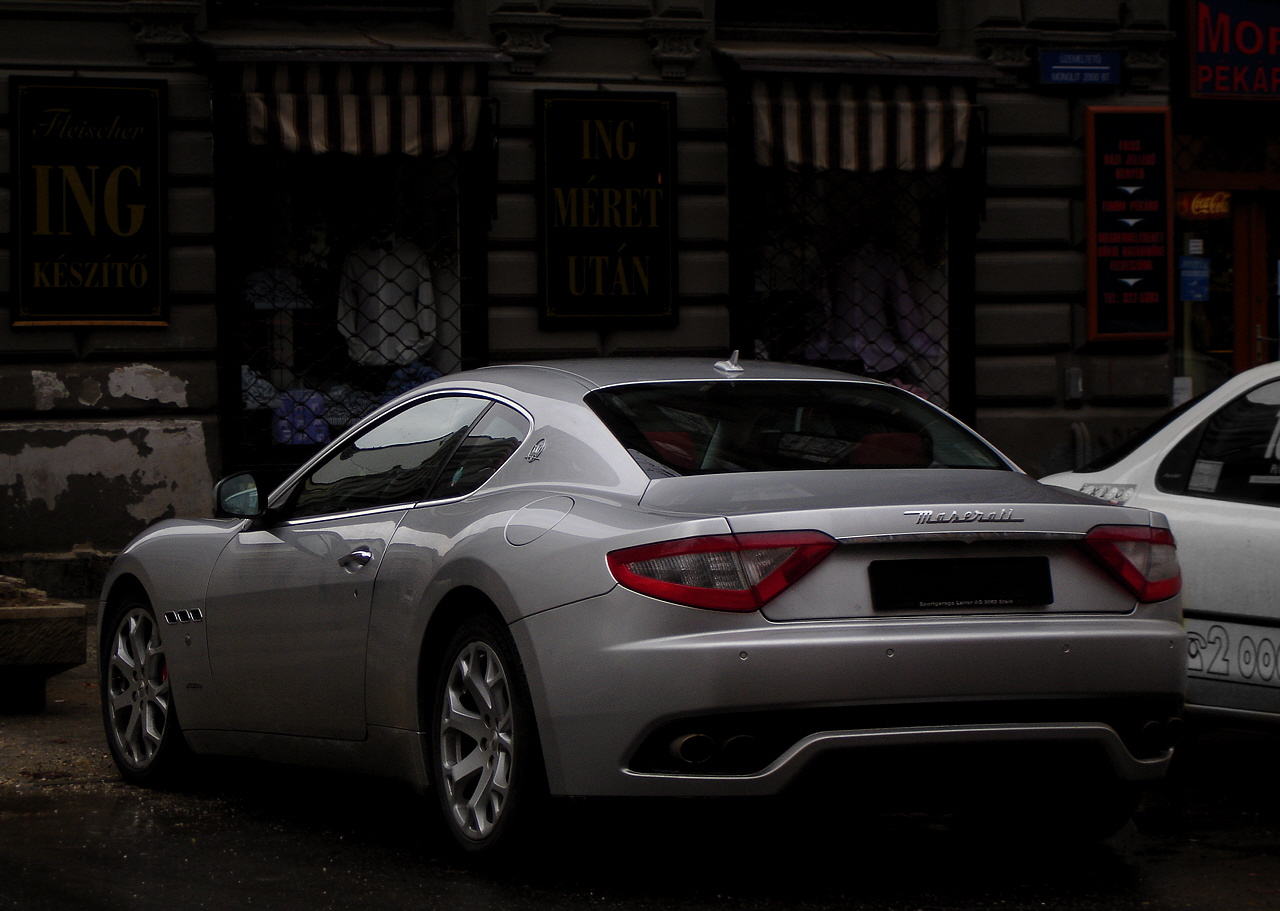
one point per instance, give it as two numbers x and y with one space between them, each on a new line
993 13
702 108
1048 441
37 642
1127 377
517 218
1033 168
96 484
102 387
191 210
703 218
190 153
700 328
1075 14
701 163
514 334
193 327
1023 325
1027 220
192 269
1027 116
513 273
1151 14
36 343
190 97
1036 272
517 160
515 101
1011 378
703 272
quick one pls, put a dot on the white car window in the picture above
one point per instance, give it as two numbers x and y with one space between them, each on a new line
1234 455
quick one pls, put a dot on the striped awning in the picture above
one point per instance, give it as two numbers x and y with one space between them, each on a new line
857 126
363 109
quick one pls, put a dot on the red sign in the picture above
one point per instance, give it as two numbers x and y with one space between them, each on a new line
1202 205
1130 222
1235 49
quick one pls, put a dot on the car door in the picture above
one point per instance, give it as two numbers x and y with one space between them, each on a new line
288 603
1220 487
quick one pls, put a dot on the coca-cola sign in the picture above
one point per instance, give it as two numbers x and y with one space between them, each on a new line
1201 205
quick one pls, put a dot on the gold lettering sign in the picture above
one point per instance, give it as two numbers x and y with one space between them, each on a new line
89 227
606 225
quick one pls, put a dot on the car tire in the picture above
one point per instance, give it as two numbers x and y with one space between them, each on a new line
486 765
138 712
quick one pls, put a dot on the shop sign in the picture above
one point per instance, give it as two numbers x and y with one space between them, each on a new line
606 184
1235 49
88 164
1130 222
1203 205
1079 67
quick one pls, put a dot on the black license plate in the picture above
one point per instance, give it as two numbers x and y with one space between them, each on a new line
981 583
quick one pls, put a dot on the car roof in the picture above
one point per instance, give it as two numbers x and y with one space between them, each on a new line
600 372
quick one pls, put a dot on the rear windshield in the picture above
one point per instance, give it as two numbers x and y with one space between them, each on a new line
766 425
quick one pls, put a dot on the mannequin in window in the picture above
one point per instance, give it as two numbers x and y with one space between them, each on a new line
386 301
868 311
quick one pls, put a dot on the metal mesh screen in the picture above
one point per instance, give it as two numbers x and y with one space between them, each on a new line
851 272
344 274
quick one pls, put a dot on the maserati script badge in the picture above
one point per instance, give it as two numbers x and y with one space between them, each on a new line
955 517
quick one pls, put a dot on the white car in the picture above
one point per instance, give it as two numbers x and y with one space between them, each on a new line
1213 468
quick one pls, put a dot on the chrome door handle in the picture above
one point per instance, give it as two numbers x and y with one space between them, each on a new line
356 559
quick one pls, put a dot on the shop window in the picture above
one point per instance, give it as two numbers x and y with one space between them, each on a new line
348 290
845 212
341 246
852 273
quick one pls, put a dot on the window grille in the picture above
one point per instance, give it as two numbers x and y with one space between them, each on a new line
341 253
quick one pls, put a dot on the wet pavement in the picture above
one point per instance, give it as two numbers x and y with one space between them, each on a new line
246 835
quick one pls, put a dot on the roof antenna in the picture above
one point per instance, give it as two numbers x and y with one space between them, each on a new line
731 365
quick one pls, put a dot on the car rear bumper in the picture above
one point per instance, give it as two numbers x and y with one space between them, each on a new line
620 682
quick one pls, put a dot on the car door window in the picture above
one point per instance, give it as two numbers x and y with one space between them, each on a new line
396 461
1234 455
489 444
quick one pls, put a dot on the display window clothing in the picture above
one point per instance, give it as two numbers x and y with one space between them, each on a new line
870 314
386 303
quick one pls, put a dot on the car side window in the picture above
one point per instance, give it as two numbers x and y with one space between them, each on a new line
1237 456
489 444
395 461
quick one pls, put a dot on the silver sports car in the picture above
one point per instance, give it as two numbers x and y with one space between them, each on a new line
657 578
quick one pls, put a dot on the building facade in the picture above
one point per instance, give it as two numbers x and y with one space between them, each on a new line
228 228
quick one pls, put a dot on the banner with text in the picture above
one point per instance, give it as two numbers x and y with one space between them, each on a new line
606 184
1130 222
88 166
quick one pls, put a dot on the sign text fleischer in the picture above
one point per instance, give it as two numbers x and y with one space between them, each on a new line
88 165
607 203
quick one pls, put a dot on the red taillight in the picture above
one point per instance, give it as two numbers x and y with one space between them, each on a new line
1145 559
722 572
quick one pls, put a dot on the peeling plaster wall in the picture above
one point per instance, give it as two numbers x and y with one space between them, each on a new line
95 485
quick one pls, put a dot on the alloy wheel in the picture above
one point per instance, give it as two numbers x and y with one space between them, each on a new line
477 740
138 697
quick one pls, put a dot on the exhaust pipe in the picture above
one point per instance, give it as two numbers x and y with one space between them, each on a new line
693 749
